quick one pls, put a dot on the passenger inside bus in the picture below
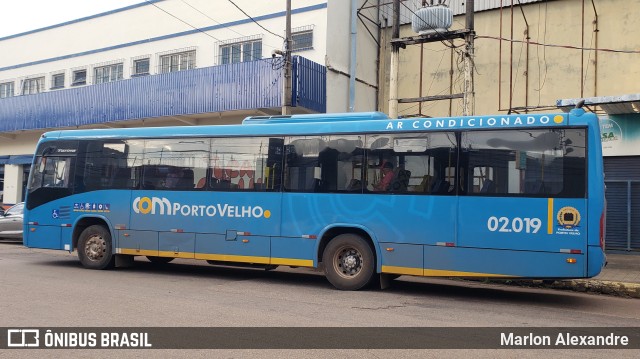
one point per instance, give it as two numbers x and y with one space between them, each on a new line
172 179
179 179
386 177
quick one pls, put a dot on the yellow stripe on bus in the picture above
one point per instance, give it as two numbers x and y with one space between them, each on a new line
451 273
425 272
402 270
292 262
218 257
137 252
550 216
232 258
187 255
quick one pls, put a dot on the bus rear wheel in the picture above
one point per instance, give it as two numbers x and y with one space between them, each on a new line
348 262
94 248
159 260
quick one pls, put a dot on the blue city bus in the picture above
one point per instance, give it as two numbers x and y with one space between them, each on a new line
361 196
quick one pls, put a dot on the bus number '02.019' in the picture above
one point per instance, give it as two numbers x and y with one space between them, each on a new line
517 224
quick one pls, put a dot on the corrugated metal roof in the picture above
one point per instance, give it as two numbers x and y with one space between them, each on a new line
612 105
407 8
241 86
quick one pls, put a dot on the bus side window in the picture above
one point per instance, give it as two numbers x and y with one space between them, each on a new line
122 178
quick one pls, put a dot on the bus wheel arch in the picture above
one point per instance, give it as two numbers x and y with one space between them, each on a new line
95 245
337 246
333 232
84 223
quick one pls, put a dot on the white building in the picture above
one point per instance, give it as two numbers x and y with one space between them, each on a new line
179 62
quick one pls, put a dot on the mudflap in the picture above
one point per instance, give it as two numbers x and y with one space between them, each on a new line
124 261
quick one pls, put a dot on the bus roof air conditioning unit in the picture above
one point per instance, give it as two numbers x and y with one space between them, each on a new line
431 19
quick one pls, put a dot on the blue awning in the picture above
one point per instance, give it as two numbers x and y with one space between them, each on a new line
20 160
4 160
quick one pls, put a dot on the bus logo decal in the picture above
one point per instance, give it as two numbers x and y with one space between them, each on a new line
568 221
162 206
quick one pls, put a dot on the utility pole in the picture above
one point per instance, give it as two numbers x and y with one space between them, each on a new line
286 92
468 100
395 58
352 56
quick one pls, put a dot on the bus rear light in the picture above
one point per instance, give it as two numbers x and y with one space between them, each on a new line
571 260
243 233
33 223
65 225
177 230
445 244
120 226
309 236
571 251
602 229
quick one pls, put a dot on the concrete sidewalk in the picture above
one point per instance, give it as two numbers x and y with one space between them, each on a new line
621 267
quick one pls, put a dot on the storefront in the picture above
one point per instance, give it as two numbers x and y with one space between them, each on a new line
621 150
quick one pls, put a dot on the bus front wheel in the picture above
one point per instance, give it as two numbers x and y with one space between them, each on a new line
348 262
94 248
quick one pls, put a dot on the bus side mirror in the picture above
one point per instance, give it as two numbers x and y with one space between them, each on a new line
1 212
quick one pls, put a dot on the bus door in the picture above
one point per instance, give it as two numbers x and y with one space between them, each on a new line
241 204
525 208
52 178
424 215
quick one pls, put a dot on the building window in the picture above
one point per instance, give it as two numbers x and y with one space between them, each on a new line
57 81
178 62
241 51
140 67
6 89
302 38
79 77
107 73
33 86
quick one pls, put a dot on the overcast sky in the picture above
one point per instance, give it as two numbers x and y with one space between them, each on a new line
18 16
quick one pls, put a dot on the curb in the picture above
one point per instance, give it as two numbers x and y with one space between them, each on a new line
621 289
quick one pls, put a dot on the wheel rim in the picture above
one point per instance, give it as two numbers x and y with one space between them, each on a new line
348 262
95 248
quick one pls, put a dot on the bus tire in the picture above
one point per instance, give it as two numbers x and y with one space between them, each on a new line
159 260
349 262
94 248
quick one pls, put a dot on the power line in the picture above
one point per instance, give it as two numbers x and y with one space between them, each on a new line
560 46
179 19
194 8
252 19
217 22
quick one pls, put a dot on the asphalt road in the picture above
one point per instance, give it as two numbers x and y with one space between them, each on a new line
50 289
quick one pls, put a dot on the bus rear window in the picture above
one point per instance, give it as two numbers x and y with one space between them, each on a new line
532 162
